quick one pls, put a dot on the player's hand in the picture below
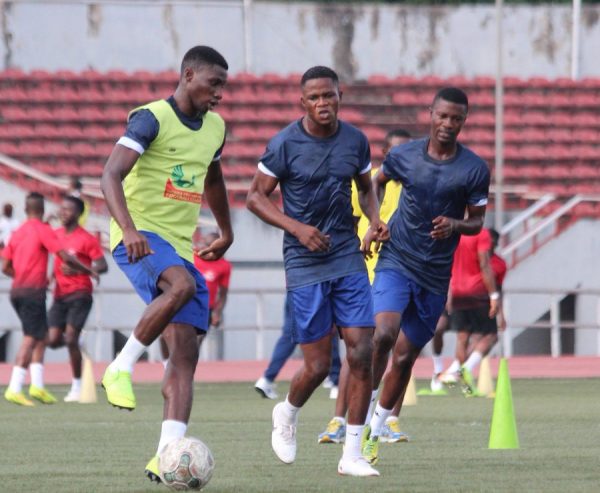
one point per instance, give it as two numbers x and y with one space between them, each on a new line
216 249
494 306
443 228
215 319
313 239
136 244
378 232
67 270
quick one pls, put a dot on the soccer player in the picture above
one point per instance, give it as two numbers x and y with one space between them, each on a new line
154 182
475 302
314 160
8 223
336 428
73 289
444 195
26 261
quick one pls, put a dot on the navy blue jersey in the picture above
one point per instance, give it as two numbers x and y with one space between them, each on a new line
315 177
431 188
142 128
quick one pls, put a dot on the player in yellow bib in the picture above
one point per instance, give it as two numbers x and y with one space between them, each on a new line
154 183
336 428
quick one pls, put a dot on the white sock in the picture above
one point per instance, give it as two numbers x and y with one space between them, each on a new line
438 364
454 367
129 355
170 430
352 448
378 419
165 362
341 419
36 372
473 360
291 411
76 385
17 379
371 406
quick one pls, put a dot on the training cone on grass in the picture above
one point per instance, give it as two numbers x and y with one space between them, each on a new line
503 432
88 382
410 396
485 384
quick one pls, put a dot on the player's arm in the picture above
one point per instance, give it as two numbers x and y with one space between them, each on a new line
99 265
8 268
370 207
259 203
217 311
119 165
377 185
487 275
444 227
216 197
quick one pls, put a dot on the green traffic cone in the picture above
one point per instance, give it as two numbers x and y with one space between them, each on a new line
503 431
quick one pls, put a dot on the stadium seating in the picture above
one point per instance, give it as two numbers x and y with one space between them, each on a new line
66 123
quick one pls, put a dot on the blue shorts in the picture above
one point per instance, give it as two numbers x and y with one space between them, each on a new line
420 308
345 302
144 275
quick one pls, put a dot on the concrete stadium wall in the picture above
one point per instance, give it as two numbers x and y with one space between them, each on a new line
357 39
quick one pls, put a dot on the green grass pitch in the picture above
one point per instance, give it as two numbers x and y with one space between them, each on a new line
96 448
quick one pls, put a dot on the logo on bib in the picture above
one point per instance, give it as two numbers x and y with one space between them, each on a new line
176 185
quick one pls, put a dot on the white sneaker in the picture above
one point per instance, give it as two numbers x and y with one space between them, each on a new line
449 379
283 436
327 383
266 388
356 467
72 396
333 393
436 384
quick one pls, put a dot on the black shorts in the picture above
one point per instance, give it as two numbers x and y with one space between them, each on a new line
31 310
70 310
474 320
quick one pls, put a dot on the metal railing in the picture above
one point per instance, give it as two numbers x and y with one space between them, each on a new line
97 324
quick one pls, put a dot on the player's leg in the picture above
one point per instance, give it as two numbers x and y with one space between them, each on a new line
418 327
77 314
311 315
57 321
437 345
391 432
335 432
459 323
37 389
334 372
165 283
353 313
14 391
177 388
284 347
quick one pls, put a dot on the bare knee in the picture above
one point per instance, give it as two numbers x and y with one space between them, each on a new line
403 360
318 369
360 359
384 339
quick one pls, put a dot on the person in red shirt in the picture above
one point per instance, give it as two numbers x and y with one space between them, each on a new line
73 289
26 261
474 303
217 274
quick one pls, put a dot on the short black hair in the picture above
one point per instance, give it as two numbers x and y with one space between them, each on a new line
319 72
77 202
199 55
453 95
76 183
398 132
34 202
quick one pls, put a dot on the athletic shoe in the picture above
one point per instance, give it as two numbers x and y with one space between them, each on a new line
119 391
333 392
265 388
466 378
41 394
449 379
356 467
391 433
72 396
328 383
151 470
370 449
334 433
283 436
17 398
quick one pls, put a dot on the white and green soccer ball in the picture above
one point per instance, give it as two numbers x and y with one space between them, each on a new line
186 464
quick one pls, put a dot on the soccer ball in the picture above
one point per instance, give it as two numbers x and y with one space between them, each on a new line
186 464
